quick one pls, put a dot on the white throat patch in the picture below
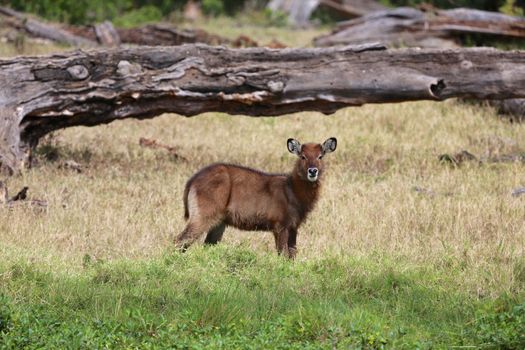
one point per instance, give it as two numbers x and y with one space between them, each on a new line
312 178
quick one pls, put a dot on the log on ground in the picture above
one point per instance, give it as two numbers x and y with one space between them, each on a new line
406 26
46 93
40 29
152 34
106 34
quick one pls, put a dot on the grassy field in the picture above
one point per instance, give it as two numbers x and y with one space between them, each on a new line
380 265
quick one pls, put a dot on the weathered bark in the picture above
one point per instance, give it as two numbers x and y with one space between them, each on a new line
42 94
412 27
106 34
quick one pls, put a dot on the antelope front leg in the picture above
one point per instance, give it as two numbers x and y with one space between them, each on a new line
292 247
281 241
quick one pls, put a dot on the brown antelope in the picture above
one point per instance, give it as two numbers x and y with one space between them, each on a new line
223 195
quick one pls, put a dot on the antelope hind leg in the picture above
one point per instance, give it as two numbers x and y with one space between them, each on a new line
214 235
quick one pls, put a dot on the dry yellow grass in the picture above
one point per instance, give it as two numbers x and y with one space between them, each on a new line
127 203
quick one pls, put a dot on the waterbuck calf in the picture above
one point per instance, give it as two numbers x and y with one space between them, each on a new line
223 195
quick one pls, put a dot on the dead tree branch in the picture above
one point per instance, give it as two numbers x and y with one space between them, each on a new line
42 94
40 29
106 34
406 26
151 34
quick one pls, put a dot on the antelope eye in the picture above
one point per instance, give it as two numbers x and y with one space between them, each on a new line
320 157
303 157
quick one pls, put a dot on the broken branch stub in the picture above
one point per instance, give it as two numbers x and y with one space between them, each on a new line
46 93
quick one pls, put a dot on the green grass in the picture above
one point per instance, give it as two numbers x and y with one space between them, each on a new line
232 297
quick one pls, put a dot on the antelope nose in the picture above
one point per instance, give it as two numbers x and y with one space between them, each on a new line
312 171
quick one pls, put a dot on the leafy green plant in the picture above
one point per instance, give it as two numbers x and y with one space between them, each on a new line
213 7
5 314
511 7
275 18
502 330
136 17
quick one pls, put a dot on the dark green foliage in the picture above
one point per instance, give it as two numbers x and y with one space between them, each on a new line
73 11
123 12
5 314
135 17
502 330
275 18
222 7
212 7
513 7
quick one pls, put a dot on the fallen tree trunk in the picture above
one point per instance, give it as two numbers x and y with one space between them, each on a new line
431 28
40 29
42 94
151 34
106 34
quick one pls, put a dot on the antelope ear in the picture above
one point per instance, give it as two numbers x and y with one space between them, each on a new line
330 145
294 146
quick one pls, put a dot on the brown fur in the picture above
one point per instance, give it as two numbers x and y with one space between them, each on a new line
223 195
